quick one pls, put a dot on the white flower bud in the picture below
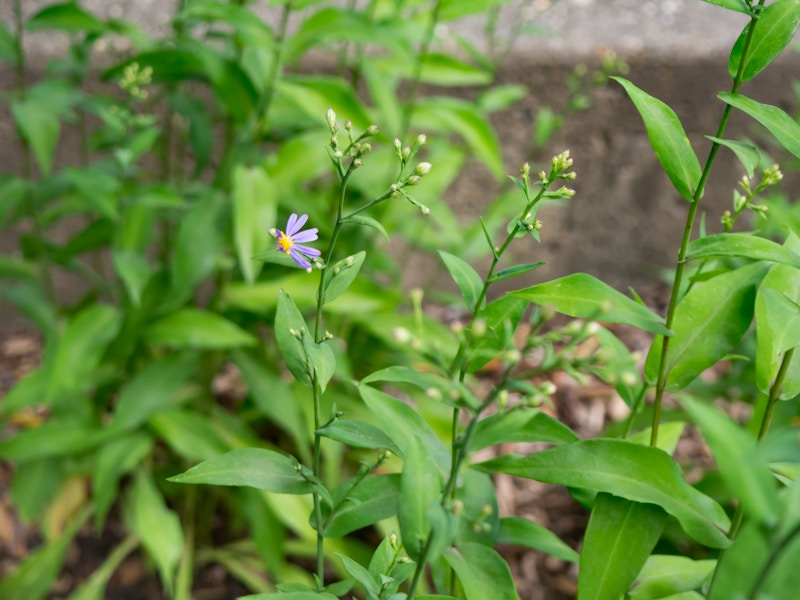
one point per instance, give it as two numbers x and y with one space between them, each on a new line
421 139
330 117
423 168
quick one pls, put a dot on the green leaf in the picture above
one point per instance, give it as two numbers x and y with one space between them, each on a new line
746 475
291 596
340 275
502 316
456 9
420 488
374 499
190 434
668 139
522 532
747 154
195 328
582 295
53 438
255 206
250 29
9 46
520 425
367 222
115 459
628 470
361 575
444 69
274 398
665 575
620 536
67 17
773 31
79 350
289 324
402 423
321 361
197 248
467 279
251 467
778 327
737 5
709 322
40 127
358 434
147 515
778 123
516 270
465 119
741 245
153 389
134 270
482 571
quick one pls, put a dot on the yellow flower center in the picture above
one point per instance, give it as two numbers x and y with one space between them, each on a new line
285 243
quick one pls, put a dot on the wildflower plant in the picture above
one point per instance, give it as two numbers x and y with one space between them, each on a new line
360 418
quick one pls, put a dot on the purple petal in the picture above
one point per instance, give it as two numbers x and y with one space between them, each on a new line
309 235
295 223
299 258
307 250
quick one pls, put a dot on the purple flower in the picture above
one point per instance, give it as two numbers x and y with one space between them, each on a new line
291 240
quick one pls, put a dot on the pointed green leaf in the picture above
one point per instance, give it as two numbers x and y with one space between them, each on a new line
522 532
746 474
368 222
340 275
482 571
628 470
778 123
664 576
251 467
255 204
502 316
773 31
195 328
374 499
68 17
467 279
358 435
581 295
520 425
289 324
420 487
778 327
620 536
134 270
668 139
159 528
516 270
402 422
709 322
741 245
747 154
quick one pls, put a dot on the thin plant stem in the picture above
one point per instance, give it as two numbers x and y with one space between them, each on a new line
677 283
416 77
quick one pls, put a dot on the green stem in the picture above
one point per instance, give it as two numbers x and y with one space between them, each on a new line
316 470
416 78
687 234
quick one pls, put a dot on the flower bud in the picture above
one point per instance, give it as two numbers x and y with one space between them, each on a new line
421 139
413 180
330 117
423 168
372 130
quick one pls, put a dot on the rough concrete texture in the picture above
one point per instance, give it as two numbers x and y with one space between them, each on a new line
625 223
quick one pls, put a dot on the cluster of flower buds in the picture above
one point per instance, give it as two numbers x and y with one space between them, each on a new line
356 146
406 154
771 176
134 78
